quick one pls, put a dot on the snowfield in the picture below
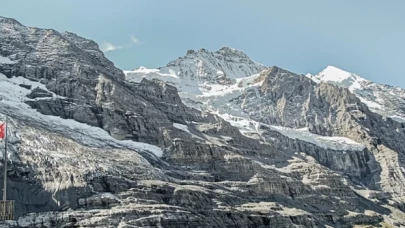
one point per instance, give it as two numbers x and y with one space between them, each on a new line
382 99
12 96
253 163
5 60
334 143
216 97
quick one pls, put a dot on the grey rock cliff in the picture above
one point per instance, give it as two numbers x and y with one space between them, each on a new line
79 158
385 100
295 101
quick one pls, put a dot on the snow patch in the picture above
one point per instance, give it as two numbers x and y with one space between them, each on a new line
196 89
334 74
5 60
328 142
142 70
181 127
197 73
370 104
185 129
216 98
338 77
382 99
397 118
334 143
12 97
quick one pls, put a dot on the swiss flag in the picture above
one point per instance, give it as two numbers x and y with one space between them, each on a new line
2 130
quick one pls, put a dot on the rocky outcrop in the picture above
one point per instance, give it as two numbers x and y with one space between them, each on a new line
282 98
295 101
359 165
38 93
102 185
226 63
82 154
385 100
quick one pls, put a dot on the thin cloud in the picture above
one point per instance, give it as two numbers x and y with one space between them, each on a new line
134 40
106 47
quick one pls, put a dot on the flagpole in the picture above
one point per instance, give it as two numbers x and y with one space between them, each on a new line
5 170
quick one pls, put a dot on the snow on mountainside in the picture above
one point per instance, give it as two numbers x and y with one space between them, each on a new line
5 60
279 107
385 100
339 77
199 71
224 63
199 86
299 154
13 92
249 126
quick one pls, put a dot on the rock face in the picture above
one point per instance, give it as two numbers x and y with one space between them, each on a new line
195 72
213 66
240 145
385 100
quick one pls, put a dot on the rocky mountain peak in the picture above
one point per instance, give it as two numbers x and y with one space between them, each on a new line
220 53
340 77
6 20
382 99
249 147
225 63
228 51
64 54
81 42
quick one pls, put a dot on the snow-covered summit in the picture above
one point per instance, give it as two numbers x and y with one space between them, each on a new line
197 71
11 21
102 152
205 65
225 63
382 99
332 73
5 60
222 98
339 77
226 51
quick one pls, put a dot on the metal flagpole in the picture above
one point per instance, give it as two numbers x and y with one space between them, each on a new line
5 170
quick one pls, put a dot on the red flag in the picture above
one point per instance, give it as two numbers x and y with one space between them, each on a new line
2 130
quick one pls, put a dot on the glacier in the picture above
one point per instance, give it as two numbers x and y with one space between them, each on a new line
212 139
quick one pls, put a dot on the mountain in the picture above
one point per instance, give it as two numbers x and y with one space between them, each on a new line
212 139
195 72
388 101
286 109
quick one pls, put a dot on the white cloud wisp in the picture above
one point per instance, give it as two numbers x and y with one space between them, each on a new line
106 47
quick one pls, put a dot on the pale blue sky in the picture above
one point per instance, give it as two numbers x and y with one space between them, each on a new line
361 36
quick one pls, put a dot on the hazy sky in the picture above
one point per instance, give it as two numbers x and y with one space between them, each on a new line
366 37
